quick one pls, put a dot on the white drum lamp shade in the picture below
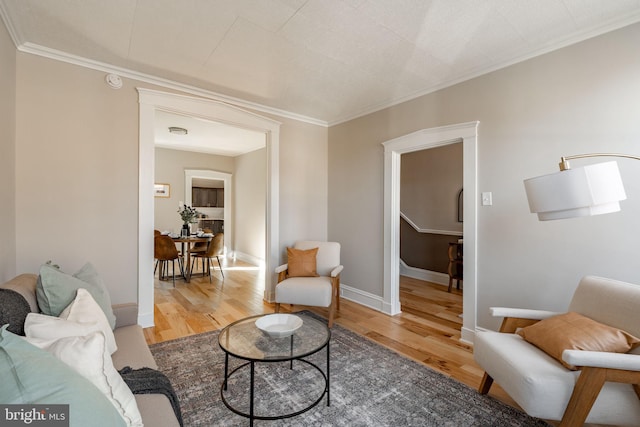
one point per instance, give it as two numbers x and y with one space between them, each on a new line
586 191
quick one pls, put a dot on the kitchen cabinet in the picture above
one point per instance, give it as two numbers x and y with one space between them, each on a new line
207 197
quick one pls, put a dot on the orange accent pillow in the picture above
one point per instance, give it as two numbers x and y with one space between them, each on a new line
573 331
302 262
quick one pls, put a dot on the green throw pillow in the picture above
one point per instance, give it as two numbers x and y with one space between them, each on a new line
33 376
55 290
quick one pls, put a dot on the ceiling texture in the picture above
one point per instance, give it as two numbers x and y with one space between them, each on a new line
323 61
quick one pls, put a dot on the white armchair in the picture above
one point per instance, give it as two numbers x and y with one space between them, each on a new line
320 291
606 388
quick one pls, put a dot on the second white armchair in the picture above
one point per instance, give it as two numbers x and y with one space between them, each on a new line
605 389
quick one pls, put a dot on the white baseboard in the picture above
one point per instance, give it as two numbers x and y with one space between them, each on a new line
249 259
145 320
375 302
426 275
361 297
467 336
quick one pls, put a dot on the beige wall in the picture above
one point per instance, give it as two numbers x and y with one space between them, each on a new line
7 159
250 205
248 199
77 173
169 169
429 184
430 181
583 98
303 183
425 251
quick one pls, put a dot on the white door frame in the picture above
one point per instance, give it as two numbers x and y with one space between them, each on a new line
420 140
189 175
149 102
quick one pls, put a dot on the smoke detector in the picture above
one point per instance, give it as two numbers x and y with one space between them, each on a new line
178 130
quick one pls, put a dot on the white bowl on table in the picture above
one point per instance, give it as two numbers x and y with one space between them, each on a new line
279 325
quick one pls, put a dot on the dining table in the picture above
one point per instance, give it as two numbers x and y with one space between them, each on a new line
186 243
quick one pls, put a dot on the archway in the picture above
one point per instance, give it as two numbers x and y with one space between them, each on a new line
150 101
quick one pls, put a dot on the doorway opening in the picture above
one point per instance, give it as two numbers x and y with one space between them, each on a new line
151 101
431 213
420 140
194 176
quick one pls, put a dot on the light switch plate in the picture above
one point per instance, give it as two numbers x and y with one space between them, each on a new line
487 198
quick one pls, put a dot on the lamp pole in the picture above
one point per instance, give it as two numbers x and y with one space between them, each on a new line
564 161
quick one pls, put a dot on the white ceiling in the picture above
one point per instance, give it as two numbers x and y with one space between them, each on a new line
326 60
205 136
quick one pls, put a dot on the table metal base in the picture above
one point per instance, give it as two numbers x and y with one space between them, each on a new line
251 364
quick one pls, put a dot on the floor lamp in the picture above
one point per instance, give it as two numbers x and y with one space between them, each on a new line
590 190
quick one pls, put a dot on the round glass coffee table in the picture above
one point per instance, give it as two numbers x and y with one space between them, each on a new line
243 340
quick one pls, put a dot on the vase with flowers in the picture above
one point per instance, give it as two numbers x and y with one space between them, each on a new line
189 216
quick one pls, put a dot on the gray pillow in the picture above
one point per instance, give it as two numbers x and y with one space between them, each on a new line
55 290
13 310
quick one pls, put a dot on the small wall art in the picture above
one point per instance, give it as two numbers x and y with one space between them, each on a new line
162 190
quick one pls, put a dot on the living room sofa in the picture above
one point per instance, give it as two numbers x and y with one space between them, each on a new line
155 409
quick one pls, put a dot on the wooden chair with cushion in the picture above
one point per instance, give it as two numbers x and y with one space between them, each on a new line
200 247
155 233
164 250
455 264
580 366
214 250
311 276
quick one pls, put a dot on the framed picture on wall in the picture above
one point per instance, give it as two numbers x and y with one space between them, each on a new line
161 190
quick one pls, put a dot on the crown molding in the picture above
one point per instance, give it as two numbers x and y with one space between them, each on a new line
13 33
35 49
57 55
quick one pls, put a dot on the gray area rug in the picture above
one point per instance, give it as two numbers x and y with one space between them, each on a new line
370 386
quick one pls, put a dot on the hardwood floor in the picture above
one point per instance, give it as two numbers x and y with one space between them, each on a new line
428 330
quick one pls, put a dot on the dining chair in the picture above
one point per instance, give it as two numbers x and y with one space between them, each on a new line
200 247
155 233
215 249
164 250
